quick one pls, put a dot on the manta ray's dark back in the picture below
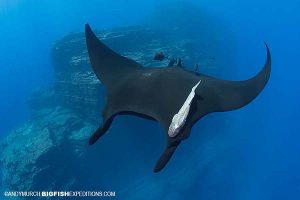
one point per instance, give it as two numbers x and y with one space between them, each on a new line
161 93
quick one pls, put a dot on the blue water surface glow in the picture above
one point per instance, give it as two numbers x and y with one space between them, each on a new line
263 160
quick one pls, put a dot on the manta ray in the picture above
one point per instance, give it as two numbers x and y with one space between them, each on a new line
174 97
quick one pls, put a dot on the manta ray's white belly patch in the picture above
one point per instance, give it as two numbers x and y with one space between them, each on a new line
179 119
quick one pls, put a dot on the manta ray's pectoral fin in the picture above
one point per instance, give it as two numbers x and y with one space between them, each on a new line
230 95
107 64
165 157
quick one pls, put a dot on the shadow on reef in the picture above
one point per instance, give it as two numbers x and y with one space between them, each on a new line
51 152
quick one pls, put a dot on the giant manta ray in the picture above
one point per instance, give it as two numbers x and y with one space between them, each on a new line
174 97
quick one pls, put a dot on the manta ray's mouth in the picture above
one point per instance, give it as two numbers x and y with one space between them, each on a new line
179 118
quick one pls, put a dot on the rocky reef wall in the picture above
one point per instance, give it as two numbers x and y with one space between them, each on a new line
50 151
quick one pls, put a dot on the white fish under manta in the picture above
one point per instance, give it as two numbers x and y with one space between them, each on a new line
179 118
173 96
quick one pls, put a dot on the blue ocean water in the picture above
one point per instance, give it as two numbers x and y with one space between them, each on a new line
263 159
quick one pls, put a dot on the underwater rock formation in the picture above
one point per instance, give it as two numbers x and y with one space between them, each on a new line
33 155
39 154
